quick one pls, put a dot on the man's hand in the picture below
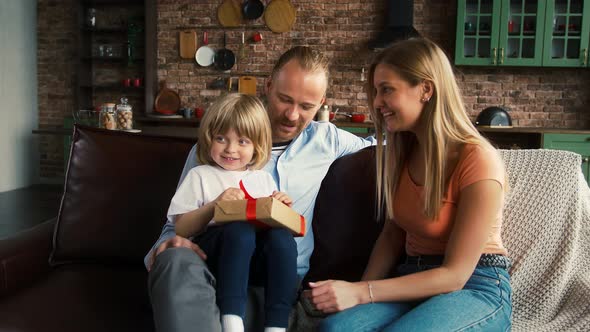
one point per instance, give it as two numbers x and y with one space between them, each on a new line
176 242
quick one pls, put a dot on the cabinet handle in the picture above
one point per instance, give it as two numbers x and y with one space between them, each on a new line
501 55
494 55
585 62
585 160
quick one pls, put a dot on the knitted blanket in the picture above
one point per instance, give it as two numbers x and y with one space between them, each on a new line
547 232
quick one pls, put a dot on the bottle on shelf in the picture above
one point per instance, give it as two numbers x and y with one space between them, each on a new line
324 114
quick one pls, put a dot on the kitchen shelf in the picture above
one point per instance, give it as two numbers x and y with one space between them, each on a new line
104 30
218 27
118 24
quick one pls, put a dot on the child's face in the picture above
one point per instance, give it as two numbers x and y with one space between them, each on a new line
231 151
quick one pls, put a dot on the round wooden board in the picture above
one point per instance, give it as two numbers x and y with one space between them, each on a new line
229 13
279 15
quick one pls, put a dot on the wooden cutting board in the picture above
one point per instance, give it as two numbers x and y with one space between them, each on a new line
229 13
279 15
188 44
247 85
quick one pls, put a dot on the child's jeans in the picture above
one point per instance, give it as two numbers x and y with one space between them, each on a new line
238 255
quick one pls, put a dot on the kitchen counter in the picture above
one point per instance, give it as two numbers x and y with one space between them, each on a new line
533 130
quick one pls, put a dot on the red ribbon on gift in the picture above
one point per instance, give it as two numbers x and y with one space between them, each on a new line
251 212
251 209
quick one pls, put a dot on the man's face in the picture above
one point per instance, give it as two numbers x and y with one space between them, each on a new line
294 97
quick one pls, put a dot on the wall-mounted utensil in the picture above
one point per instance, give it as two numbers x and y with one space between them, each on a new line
205 55
252 9
224 58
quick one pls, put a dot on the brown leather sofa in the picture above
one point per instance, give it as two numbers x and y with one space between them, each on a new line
84 271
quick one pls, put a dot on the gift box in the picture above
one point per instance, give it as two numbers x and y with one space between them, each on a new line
263 212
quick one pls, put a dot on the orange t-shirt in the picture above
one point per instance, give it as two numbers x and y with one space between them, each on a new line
425 236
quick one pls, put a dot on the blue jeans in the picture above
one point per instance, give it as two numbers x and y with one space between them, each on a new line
238 255
484 304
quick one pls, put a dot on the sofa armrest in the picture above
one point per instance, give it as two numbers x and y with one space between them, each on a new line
24 257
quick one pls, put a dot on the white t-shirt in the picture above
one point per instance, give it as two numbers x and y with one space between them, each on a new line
205 183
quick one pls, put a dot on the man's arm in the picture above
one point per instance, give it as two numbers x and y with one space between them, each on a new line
347 143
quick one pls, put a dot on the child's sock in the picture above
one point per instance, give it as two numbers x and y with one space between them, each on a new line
232 323
275 329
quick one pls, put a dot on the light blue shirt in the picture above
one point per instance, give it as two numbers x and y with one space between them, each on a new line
299 172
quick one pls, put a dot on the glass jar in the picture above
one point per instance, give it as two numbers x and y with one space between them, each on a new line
124 115
107 116
324 114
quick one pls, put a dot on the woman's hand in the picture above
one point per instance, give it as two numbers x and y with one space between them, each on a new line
331 296
282 197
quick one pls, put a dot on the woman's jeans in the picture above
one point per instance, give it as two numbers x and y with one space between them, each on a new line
484 304
238 255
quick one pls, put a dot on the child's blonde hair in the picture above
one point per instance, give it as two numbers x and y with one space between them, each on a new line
247 116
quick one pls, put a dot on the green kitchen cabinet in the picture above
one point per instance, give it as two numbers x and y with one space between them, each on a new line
578 143
567 33
522 33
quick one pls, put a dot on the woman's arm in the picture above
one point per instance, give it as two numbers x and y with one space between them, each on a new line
193 222
477 209
386 252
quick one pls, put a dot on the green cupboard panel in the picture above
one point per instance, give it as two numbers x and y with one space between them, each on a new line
578 143
567 31
523 33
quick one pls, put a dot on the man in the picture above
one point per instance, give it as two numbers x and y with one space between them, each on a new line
182 289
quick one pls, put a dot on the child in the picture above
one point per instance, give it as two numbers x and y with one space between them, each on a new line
234 143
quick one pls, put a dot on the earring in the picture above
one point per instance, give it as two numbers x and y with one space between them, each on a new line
425 99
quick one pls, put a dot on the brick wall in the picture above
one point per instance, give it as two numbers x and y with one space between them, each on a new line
56 64
536 97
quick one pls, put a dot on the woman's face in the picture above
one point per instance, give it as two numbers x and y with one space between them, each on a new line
396 101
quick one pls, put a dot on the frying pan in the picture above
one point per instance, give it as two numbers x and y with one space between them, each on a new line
224 58
205 55
252 9
167 101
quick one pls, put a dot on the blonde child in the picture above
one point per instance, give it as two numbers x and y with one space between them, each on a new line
234 143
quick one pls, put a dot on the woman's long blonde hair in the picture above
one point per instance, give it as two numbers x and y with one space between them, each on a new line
444 118
243 113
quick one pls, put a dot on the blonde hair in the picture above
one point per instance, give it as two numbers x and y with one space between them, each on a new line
310 60
418 60
243 113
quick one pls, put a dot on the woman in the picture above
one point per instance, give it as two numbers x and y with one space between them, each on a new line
442 185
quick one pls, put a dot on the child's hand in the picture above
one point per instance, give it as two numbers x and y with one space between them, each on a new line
282 197
231 194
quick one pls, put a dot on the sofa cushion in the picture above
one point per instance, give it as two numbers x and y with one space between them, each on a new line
344 221
81 297
117 191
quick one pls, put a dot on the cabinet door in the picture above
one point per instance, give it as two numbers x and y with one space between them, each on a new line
477 32
521 33
578 143
567 30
